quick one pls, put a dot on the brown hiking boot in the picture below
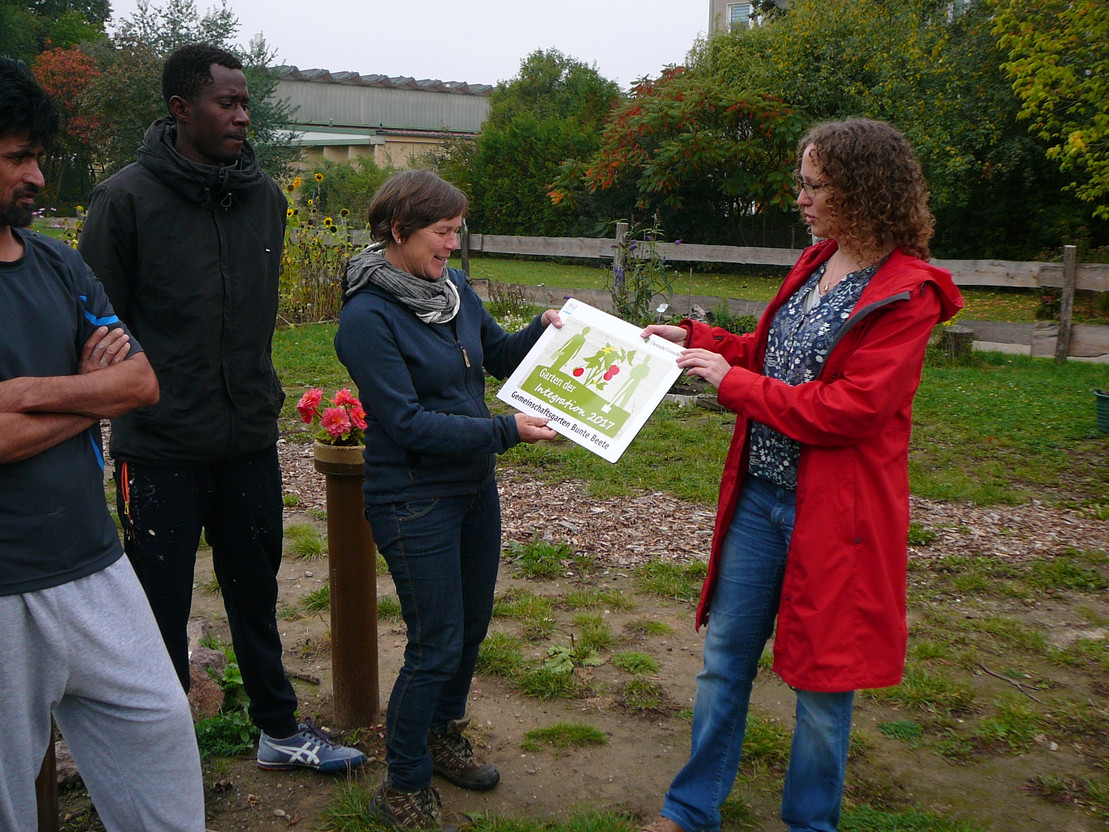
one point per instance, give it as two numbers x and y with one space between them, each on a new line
453 757
410 811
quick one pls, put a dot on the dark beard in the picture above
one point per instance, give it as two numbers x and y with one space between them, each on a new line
14 215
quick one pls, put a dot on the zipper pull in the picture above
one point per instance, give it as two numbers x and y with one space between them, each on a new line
465 355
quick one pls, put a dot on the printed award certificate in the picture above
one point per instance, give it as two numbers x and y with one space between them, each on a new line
595 379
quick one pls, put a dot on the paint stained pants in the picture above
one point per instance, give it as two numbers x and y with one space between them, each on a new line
237 504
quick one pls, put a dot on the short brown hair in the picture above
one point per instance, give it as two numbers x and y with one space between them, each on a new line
879 192
413 199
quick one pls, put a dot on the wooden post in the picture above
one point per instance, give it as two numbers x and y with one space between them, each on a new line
352 558
1066 304
464 246
46 788
619 260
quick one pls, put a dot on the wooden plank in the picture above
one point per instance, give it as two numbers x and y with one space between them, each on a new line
1091 277
1085 341
693 253
544 246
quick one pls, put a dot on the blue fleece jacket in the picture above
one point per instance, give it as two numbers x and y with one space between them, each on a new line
428 433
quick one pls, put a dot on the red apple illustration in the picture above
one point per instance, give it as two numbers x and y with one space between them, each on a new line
578 371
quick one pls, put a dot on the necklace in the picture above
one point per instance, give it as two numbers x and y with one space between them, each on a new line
829 280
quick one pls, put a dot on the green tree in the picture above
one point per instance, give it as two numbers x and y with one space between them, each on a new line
128 90
1058 61
938 77
28 28
128 96
702 158
553 110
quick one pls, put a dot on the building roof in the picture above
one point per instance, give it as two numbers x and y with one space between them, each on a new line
401 82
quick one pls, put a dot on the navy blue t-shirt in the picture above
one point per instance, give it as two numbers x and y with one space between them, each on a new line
54 520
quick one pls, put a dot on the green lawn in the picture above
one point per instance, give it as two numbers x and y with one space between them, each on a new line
1004 429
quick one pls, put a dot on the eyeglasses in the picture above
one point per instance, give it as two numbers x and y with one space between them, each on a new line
808 187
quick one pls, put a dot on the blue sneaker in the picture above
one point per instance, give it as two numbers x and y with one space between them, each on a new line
309 747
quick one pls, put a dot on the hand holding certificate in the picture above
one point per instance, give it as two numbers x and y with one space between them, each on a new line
595 379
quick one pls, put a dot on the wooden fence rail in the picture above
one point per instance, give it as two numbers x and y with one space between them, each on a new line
1068 276
996 273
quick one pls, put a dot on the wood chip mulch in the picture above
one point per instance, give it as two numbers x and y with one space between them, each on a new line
622 532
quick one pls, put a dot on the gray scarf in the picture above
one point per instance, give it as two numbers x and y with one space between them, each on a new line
433 301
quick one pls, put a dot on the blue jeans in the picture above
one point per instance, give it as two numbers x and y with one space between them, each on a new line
443 554
741 620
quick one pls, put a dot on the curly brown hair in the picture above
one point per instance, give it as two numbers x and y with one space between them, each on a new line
879 193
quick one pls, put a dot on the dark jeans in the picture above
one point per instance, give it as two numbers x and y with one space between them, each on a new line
238 506
443 554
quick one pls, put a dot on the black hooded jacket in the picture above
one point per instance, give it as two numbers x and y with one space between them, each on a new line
190 256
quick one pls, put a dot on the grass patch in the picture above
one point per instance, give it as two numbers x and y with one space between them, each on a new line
285 612
388 608
542 682
538 558
921 535
904 730
635 662
500 654
211 586
736 813
349 809
1013 728
1064 573
303 540
928 692
225 735
766 744
593 632
679 581
535 613
648 627
868 819
318 600
585 599
643 696
563 735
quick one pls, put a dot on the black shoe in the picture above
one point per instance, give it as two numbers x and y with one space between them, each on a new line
453 757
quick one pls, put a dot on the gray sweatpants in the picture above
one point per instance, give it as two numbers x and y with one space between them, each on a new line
90 652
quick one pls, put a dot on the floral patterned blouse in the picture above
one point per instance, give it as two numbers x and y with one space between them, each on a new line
801 334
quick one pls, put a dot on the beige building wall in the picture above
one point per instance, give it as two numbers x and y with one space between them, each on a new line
344 116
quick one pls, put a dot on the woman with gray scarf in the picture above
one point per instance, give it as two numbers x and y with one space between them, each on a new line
417 341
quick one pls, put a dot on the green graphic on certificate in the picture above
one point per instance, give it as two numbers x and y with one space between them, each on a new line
595 379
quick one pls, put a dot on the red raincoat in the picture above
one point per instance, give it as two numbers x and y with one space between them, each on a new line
841 624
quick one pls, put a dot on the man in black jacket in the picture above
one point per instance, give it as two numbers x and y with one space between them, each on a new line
187 242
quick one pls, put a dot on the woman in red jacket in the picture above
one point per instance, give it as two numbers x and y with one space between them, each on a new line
813 520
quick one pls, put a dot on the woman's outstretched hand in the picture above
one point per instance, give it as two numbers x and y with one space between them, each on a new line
706 364
674 334
534 429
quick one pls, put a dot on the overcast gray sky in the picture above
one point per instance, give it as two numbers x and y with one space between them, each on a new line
481 42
